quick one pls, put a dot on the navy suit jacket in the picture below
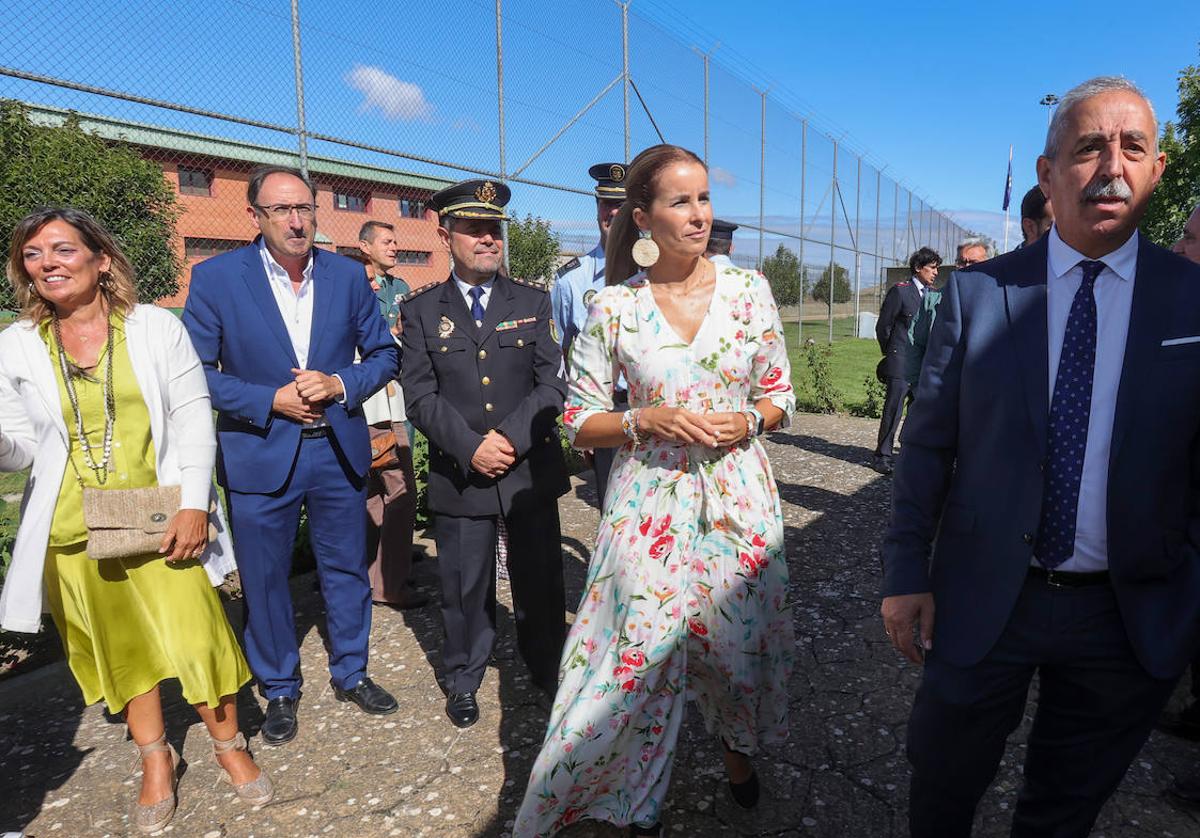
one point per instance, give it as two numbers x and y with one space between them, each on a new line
900 305
240 336
973 448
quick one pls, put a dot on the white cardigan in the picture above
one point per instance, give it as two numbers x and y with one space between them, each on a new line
32 432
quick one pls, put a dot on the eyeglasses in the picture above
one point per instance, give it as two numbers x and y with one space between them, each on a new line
279 212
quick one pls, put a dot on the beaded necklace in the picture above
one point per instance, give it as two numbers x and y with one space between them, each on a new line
110 404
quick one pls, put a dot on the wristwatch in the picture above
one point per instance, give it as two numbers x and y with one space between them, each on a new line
759 421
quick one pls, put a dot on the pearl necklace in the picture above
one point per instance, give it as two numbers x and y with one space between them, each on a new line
100 469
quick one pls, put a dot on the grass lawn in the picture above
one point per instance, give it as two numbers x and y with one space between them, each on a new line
852 362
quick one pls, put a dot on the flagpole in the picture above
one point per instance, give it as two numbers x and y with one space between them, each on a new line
1010 148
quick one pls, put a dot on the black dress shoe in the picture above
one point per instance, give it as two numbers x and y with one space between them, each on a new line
462 709
411 599
883 465
745 793
280 724
369 696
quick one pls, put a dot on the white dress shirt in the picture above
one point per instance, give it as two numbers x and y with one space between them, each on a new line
1113 290
464 288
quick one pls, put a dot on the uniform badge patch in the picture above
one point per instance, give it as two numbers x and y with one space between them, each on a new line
588 296
445 327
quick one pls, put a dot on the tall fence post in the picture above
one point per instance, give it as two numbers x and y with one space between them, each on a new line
803 269
857 245
301 129
625 69
895 223
705 55
762 176
500 115
833 197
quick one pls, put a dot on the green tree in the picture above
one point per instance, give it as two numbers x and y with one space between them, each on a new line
782 271
63 165
841 287
1179 190
532 248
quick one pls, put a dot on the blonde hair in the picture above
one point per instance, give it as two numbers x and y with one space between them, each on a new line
117 284
639 193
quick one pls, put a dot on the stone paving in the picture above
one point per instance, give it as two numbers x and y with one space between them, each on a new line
64 769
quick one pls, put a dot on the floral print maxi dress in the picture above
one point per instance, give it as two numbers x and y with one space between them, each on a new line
686 593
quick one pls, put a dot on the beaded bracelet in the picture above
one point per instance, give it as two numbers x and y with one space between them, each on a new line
751 425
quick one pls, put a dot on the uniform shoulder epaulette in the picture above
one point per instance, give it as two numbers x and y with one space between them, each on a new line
568 267
539 284
904 282
412 295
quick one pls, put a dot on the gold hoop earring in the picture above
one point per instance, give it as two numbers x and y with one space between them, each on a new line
645 250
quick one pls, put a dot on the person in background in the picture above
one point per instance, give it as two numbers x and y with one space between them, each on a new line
292 343
720 243
1037 216
578 282
98 392
900 305
391 483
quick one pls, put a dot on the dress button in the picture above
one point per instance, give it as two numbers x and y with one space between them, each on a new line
485 381
482 354
547 439
1027 538
444 349
520 342
488 407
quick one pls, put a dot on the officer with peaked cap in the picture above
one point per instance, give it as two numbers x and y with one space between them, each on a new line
720 243
482 382
580 279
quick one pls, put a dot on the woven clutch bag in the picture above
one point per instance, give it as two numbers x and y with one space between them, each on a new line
123 523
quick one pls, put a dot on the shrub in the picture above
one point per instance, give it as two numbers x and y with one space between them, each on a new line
827 397
873 406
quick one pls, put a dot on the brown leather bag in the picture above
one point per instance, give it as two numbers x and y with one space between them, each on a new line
383 449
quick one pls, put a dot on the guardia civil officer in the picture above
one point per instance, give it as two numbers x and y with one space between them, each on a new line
579 280
720 243
483 384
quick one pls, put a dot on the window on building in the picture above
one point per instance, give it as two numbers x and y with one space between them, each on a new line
195 181
351 201
412 257
412 208
198 248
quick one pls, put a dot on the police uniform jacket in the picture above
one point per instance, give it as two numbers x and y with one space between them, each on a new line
900 306
462 381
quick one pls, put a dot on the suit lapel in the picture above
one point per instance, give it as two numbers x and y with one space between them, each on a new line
323 297
1025 305
255 278
1147 326
455 307
499 307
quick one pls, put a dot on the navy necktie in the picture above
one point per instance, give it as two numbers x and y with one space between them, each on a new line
1070 411
477 305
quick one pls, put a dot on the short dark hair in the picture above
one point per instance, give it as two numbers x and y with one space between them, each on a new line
924 256
719 247
1033 205
263 172
366 233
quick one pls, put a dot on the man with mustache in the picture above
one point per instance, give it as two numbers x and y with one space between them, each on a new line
1046 507
482 379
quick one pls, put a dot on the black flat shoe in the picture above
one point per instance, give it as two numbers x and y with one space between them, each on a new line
745 794
369 696
462 709
656 829
280 724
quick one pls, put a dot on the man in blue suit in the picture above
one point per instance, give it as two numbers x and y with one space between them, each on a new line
276 325
1053 452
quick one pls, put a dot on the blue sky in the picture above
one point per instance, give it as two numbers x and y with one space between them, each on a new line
934 91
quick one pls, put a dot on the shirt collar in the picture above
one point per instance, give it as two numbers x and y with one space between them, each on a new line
465 287
1063 257
276 270
597 253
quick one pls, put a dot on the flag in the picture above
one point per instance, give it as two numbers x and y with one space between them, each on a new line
1008 182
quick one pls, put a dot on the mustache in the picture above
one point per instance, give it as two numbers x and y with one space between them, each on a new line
1115 188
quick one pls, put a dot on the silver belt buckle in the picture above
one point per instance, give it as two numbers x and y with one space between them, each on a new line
1052 577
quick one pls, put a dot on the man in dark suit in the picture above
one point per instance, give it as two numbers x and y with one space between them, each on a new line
900 306
276 325
483 381
1053 452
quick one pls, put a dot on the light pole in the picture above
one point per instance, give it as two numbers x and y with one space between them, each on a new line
1049 100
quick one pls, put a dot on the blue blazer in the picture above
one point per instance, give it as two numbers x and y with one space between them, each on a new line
970 467
243 343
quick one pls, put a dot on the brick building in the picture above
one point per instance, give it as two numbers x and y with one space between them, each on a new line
210 176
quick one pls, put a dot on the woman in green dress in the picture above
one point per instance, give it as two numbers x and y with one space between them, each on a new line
98 392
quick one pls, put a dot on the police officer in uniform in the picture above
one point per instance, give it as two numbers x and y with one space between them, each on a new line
482 382
579 280
720 243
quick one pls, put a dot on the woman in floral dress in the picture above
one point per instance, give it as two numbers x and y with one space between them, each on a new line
686 593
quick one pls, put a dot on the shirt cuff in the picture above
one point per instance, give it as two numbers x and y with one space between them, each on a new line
342 398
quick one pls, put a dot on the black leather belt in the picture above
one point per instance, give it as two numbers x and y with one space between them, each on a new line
1069 578
314 433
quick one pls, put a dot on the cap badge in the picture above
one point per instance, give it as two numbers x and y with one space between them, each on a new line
616 173
486 193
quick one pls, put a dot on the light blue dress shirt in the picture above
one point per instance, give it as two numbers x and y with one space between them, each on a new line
1114 301
570 295
464 288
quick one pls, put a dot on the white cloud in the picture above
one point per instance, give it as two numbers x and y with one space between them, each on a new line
723 176
395 98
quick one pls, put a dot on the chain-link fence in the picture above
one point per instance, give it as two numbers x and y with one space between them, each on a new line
384 105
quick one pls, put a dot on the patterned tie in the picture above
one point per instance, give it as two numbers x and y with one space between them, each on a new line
1069 413
477 305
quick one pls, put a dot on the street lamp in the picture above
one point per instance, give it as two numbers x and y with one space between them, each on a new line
1049 100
